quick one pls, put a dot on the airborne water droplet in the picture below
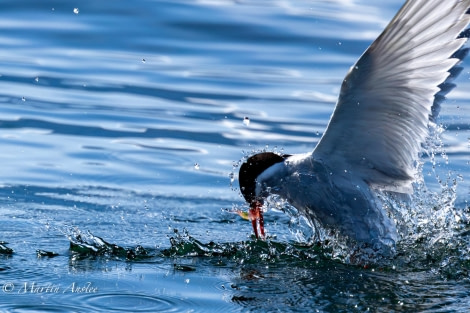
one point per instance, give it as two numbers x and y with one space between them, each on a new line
246 121
76 10
196 166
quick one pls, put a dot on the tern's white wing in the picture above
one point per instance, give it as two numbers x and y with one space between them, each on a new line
382 114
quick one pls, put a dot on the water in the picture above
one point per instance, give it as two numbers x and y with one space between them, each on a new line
121 123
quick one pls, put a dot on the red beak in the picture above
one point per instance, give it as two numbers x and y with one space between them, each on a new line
256 217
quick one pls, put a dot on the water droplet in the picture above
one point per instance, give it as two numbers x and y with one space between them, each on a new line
246 121
36 79
23 99
186 280
76 10
196 166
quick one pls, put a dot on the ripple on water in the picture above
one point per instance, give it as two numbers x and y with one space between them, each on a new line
17 274
197 301
133 302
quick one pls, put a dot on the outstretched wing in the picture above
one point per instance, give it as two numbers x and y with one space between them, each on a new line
384 107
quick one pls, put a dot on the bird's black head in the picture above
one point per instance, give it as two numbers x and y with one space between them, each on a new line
252 168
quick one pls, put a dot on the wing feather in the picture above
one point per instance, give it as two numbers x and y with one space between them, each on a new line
382 114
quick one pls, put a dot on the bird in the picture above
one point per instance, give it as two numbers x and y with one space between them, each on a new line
374 137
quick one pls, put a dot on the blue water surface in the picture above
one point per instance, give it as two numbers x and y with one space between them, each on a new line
122 123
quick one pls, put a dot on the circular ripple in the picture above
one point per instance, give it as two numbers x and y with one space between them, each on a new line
132 303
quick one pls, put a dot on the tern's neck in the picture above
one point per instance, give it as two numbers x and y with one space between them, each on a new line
270 179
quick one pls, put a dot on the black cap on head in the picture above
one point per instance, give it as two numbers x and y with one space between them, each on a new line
252 168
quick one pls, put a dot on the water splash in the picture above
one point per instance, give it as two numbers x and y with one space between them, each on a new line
84 244
182 245
434 232
303 229
246 121
46 254
246 154
245 252
4 249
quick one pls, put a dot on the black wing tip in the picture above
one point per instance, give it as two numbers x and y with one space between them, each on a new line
461 53
447 85
465 33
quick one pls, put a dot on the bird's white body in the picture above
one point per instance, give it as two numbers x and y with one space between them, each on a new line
338 198
380 121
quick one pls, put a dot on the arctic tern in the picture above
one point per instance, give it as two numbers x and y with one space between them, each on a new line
374 136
